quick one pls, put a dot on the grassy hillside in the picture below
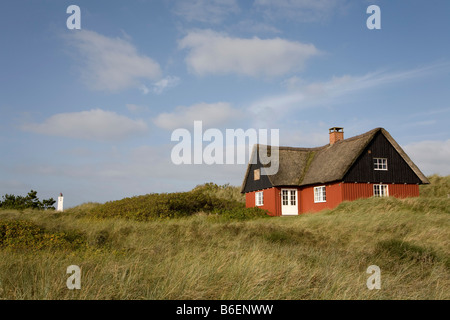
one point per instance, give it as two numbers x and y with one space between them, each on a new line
206 198
211 256
439 187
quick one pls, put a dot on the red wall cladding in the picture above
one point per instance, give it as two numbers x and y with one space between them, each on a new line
250 199
335 194
333 197
353 191
271 200
403 190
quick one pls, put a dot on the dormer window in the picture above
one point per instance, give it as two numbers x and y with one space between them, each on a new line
380 164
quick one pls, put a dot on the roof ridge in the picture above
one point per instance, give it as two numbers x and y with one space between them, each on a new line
359 136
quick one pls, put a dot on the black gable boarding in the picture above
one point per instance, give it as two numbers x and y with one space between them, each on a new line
390 168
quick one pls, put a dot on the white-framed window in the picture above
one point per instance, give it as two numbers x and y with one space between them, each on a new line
293 197
320 194
380 190
380 164
259 198
289 197
285 197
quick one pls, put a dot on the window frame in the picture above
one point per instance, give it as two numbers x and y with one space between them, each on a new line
320 196
285 197
259 198
380 166
293 197
383 190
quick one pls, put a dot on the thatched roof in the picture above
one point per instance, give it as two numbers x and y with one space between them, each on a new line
306 166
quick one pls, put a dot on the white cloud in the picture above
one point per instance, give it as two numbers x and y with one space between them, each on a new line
160 86
111 64
293 83
212 114
301 95
253 27
144 89
134 108
275 110
430 156
95 124
206 11
215 53
163 84
300 10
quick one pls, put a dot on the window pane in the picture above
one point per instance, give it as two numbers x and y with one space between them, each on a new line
259 198
293 199
320 194
380 190
380 163
285 197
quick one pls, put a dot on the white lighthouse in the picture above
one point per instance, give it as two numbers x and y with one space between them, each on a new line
60 202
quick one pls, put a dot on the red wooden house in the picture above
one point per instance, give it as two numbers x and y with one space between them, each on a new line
311 179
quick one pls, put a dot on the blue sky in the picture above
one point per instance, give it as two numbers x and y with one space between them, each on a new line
90 112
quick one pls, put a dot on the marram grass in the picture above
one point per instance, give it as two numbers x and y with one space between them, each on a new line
323 255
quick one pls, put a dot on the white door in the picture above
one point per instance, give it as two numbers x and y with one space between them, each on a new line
289 202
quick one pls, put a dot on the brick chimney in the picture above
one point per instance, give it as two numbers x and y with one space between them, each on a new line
336 134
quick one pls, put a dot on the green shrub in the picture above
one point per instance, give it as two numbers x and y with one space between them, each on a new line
221 191
25 234
164 205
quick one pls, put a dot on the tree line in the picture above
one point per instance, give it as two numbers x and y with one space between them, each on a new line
30 201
